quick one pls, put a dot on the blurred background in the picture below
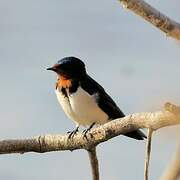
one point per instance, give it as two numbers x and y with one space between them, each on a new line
135 62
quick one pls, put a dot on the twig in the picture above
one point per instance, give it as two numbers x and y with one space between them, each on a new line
94 163
152 15
148 153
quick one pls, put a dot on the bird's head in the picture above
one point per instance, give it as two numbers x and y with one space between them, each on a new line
69 67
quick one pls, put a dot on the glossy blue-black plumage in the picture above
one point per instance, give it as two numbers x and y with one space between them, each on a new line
71 60
71 67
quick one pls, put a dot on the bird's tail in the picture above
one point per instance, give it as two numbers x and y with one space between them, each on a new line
139 135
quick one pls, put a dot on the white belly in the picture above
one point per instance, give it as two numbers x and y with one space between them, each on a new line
82 108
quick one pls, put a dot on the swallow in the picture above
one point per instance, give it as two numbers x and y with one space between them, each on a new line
83 99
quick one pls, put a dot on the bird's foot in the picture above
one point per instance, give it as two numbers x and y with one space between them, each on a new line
87 130
73 133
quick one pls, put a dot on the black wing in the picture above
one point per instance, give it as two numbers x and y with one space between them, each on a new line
107 104
104 101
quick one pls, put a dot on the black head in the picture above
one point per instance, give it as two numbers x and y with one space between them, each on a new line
70 67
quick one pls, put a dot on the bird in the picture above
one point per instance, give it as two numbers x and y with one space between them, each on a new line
83 99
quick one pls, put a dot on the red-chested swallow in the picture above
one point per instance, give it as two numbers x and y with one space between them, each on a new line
83 99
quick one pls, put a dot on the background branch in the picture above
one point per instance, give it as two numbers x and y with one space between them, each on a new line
173 170
148 153
100 134
152 15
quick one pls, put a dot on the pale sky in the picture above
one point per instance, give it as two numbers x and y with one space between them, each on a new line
136 64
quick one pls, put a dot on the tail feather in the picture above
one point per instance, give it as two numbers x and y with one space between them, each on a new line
139 135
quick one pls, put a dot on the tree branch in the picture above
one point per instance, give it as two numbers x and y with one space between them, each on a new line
100 134
148 152
94 163
173 170
152 15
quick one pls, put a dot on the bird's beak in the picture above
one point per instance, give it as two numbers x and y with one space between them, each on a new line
51 69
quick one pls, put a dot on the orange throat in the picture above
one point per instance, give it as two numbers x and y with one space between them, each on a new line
63 82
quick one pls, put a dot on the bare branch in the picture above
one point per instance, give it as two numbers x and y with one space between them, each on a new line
148 152
94 163
100 134
152 15
173 170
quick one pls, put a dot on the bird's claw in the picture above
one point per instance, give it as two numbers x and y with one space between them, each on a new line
87 131
72 133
